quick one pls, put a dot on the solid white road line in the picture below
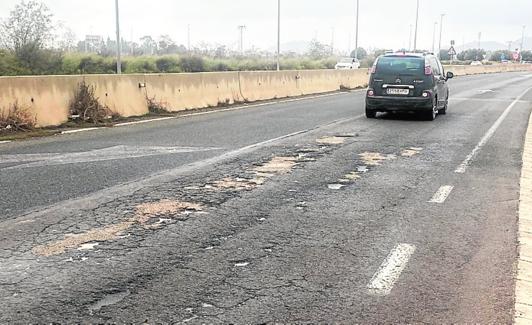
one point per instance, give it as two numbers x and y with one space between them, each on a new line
465 164
144 121
79 130
2 142
383 281
442 194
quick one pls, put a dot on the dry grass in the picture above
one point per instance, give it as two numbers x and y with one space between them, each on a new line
86 106
16 118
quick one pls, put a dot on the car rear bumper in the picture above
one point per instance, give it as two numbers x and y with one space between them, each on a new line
386 103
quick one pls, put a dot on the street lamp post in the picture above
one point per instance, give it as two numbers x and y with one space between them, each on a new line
118 42
434 37
278 35
410 38
523 39
441 33
356 30
415 32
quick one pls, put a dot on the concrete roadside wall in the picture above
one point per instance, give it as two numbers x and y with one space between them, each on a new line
48 97
185 91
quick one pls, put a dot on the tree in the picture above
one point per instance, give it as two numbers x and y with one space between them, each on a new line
361 53
472 55
148 45
444 55
526 55
27 31
498 56
318 50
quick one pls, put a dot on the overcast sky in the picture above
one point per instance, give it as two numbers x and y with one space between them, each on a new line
383 23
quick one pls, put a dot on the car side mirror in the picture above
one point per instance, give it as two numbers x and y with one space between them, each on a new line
450 75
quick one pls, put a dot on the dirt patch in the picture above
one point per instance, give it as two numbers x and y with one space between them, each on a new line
75 240
331 140
143 215
146 211
411 152
278 165
237 184
375 158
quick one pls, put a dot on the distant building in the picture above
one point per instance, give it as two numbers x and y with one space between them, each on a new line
93 43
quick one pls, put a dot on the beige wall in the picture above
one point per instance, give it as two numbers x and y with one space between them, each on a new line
48 97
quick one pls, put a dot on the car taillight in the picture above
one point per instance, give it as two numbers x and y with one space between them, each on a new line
371 93
373 69
428 70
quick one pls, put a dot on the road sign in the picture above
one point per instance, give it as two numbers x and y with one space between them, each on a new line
516 56
452 51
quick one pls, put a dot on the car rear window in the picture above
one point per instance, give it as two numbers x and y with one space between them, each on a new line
402 65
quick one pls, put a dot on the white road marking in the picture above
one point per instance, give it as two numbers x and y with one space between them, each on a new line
80 130
442 194
144 121
2 142
383 281
465 164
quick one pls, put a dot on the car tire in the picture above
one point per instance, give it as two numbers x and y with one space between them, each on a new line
443 111
431 115
370 113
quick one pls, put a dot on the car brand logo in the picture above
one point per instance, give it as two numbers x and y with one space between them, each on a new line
398 81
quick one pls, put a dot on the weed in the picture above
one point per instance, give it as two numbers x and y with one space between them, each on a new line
16 118
86 106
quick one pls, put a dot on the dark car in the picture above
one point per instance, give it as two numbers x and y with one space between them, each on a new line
408 83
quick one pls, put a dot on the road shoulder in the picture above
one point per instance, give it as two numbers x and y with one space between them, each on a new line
523 286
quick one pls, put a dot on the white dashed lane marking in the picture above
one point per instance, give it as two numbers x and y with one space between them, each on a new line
383 281
442 194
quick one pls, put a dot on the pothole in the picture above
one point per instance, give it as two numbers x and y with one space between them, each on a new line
146 211
237 184
375 158
411 152
74 240
278 165
336 186
108 300
334 140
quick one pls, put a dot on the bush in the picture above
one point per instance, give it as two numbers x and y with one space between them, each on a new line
16 118
86 106
192 64
167 64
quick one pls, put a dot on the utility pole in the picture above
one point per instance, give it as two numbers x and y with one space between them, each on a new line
118 42
479 39
434 38
188 40
332 40
410 39
523 39
417 21
242 28
278 35
356 30
441 33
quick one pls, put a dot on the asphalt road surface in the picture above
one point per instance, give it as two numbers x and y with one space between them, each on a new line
300 211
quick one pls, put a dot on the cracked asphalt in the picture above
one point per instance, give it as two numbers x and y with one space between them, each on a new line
281 213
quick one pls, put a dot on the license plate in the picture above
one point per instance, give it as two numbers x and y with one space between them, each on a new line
398 91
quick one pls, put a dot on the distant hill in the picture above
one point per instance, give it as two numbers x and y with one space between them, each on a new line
493 46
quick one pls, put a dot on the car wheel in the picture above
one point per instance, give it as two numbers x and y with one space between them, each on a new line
443 111
370 113
431 115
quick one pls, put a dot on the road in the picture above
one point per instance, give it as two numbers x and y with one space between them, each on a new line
301 211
